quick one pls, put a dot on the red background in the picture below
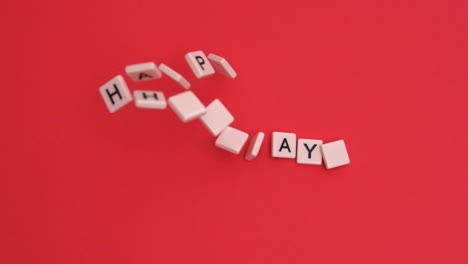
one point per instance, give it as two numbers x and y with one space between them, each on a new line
81 185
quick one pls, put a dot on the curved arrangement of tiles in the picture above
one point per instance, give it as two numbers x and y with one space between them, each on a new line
215 116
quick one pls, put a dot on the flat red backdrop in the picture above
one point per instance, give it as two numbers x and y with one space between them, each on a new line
81 185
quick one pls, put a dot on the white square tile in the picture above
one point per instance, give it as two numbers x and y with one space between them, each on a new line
174 75
283 145
199 64
150 99
308 151
115 93
222 66
232 140
254 146
187 106
335 154
217 117
143 71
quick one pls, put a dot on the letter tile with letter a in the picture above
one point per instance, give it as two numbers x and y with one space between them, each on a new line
143 71
199 63
116 93
283 145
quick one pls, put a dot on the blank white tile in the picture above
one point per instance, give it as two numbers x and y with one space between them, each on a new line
187 106
335 154
283 145
217 117
116 93
150 99
174 75
254 146
232 140
143 71
199 64
308 151
222 66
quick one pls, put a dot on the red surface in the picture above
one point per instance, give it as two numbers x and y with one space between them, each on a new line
81 185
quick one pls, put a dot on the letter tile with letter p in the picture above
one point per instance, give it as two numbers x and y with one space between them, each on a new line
199 64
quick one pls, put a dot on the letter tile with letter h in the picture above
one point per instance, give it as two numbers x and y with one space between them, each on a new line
116 93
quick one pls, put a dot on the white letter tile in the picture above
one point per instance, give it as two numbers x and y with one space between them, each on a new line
174 75
232 140
143 71
222 66
283 145
308 151
187 106
150 99
335 154
116 93
217 117
254 146
199 64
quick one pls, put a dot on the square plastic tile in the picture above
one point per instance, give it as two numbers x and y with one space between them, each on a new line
217 117
308 151
187 106
222 66
232 140
254 146
150 99
143 71
283 145
115 93
199 64
335 154
174 75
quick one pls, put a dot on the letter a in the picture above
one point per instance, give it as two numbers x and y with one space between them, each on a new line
285 144
144 75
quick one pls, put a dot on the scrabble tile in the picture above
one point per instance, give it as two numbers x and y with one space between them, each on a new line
143 71
200 65
150 99
232 140
254 146
308 151
335 154
187 106
222 66
283 145
217 117
116 93
174 75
